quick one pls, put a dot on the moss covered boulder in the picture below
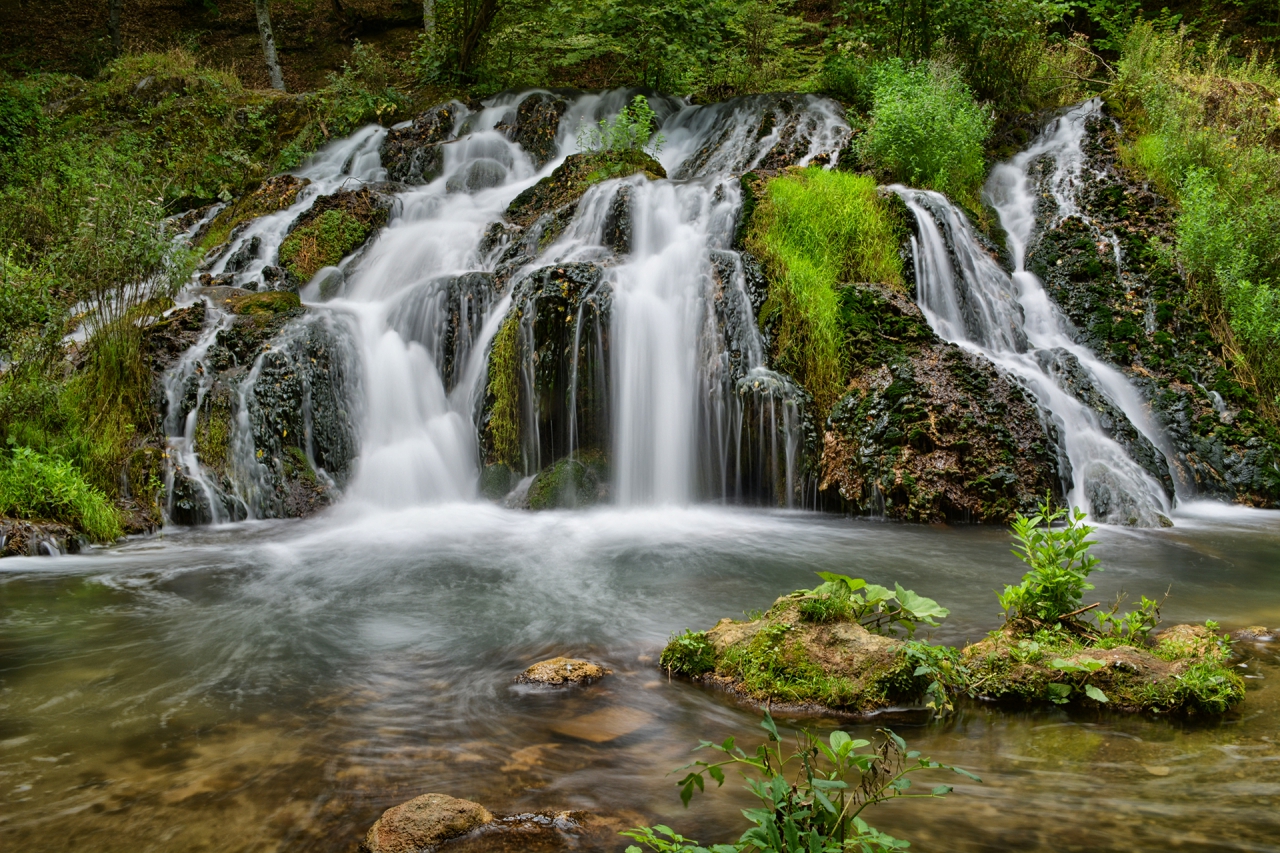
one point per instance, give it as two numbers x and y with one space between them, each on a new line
571 482
573 177
1183 669
535 124
793 656
334 227
928 431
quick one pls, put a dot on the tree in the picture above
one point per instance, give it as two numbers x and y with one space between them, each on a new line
268 44
429 16
113 25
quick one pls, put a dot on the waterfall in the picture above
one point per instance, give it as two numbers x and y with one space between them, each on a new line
1111 454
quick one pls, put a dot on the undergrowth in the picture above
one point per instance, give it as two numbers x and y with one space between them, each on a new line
817 230
46 488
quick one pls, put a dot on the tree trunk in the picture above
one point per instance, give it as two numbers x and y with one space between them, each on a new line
269 45
429 16
113 25
475 32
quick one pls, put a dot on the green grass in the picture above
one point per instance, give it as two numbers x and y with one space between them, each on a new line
35 486
816 230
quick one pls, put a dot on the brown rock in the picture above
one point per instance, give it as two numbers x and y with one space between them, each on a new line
563 671
423 823
1255 632
604 725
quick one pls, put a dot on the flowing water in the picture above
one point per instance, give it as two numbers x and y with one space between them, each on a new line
970 300
273 686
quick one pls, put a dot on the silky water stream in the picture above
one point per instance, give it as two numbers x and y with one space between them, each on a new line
273 686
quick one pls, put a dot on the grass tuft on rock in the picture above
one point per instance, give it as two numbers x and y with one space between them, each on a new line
34 486
816 230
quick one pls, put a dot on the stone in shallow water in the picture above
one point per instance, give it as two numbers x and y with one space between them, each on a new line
422 823
563 671
604 725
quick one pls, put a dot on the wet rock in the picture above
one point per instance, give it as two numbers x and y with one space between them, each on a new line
537 123
423 823
786 129
412 154
546 833
570 483
21 538
449 334
1076 381
1109 269
1255 633
329 282
929 431
605 725
562 670
272 195
334 227
573 177
245 255
271 302
618 227
497 481
547 394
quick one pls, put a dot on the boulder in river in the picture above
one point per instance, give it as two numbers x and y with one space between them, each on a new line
562 670
423 823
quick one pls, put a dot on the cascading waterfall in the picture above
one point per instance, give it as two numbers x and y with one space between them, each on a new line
1111 452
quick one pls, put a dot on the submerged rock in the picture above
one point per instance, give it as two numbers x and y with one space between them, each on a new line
423 823
929 431
557 671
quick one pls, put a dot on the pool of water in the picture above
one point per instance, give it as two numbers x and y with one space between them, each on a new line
275 686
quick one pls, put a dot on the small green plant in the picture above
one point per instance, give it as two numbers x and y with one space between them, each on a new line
632 130
1060 691
811 800
690 653
876 608
1060 565
40 487
1134 625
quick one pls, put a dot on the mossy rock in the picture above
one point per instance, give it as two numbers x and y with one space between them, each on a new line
273 194
782 659
270 302
333 228
573 177
570 483
928 431
1186 669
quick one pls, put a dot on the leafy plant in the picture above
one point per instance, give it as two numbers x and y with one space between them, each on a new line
633 129
1060 692
1060 565
39 487
875 607
1134 625
812 800
690 653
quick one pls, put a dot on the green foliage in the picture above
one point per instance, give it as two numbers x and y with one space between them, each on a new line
811 800
1136 625
1205 126
631 130
816 230
690 653
1060 564
40 487
926 129
876 608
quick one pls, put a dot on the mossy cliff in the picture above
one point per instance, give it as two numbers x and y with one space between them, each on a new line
1111 271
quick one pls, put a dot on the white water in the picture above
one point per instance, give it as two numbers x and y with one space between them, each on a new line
969 300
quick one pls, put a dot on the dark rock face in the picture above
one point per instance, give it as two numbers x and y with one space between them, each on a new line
784 135
412 154
271 396
558 365
466 299
36 539
537 122
1140 315
928 431
574 177
1076 381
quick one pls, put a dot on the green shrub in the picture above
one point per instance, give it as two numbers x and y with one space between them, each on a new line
40 487
816 230
631 130
690 653
926 129
1060 564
